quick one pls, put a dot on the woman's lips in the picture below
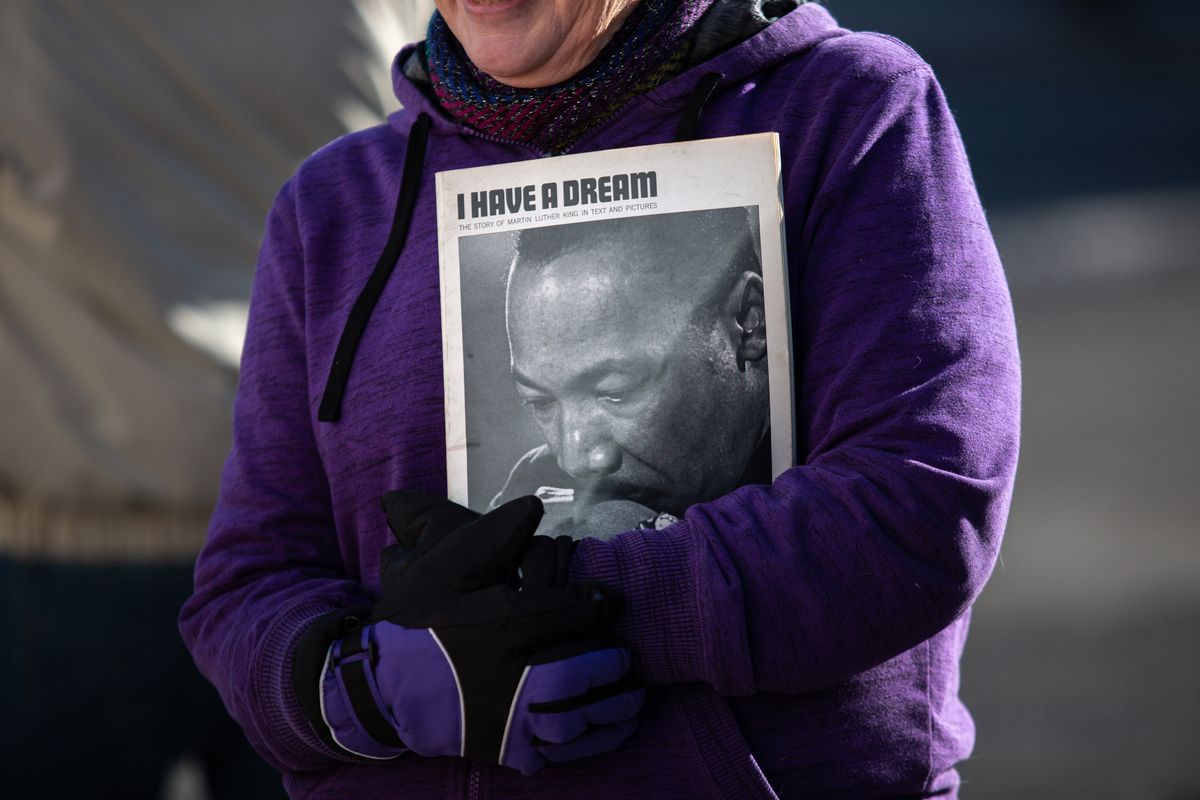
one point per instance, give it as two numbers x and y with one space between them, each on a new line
490 6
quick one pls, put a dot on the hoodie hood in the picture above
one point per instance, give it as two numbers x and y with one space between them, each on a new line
789 36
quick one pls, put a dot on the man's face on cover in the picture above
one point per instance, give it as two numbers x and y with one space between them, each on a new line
631 370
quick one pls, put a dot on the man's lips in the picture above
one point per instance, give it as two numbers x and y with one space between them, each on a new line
609 489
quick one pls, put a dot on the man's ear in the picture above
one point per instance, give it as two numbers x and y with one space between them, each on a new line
751 318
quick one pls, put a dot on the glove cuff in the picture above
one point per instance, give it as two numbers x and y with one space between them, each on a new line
350 702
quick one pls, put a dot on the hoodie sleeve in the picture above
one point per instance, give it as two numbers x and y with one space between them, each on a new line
907 383
271 564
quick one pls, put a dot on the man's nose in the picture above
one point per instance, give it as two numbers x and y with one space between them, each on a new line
588 450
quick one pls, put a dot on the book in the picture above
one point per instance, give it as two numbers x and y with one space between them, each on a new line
605 328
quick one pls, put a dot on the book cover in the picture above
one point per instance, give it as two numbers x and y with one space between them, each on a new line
615 331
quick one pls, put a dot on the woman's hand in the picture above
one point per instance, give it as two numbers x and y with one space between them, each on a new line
456 658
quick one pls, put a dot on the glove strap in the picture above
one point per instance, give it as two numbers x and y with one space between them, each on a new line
356 652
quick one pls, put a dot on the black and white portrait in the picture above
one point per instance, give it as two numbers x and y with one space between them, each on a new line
616 367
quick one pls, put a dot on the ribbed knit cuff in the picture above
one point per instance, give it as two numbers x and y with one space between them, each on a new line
282 713
660 615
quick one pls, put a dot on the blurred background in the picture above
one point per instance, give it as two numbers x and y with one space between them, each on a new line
141 145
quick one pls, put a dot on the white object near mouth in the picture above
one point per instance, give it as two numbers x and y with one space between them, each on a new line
552 494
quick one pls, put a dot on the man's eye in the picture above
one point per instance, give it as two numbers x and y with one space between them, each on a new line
619 392
537 404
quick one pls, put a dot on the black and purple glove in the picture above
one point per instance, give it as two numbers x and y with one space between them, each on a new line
455 660
419 522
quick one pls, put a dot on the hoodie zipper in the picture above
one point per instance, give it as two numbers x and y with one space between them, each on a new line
473 783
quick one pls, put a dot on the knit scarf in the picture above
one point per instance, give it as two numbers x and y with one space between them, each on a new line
649 48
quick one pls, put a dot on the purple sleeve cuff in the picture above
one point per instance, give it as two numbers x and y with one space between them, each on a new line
281 710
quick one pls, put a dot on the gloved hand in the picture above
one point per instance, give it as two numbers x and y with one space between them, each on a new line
454 660
420 521
546 560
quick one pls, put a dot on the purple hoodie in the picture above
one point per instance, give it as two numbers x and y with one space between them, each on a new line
802 638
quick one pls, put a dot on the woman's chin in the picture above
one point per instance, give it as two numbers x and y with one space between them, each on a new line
519 66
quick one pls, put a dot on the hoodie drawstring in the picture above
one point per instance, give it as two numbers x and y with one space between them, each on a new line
414 162
406 203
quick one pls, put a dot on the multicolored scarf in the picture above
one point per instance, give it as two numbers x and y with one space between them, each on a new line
649 48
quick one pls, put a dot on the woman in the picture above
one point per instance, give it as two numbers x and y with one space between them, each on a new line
799 639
